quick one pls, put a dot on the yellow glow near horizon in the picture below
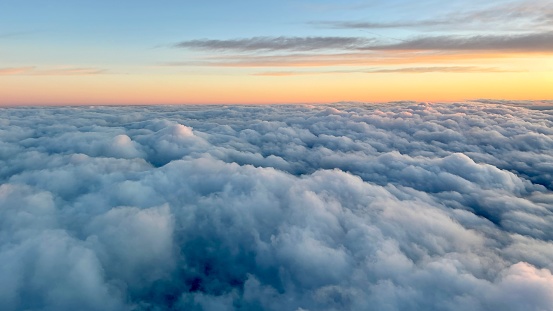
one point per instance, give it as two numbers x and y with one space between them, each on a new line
534 81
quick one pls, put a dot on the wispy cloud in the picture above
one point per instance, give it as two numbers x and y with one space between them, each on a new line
276 44
353 58
14 70
31 70
72 72
459 69
533 42
450 69
286 73
377 25
525 16
416 55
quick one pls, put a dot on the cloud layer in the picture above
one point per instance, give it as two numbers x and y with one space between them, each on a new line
405 206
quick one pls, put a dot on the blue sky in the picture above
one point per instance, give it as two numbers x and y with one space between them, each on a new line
50 31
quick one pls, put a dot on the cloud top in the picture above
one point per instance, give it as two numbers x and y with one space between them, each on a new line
403 206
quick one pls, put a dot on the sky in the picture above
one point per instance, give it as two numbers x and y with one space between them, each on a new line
226 52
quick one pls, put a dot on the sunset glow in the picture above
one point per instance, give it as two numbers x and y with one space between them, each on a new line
285 52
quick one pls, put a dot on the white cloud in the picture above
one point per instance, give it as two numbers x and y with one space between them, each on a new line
403 206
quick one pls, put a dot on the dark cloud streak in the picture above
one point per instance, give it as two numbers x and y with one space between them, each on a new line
275 44
537 42
534 42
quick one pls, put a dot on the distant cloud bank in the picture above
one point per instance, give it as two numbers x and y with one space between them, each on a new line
402 206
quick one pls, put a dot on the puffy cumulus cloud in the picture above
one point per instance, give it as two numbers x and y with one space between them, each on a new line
403 206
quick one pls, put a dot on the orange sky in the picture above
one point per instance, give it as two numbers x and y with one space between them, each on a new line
533 80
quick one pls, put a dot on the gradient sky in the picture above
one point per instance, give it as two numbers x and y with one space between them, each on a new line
165 52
